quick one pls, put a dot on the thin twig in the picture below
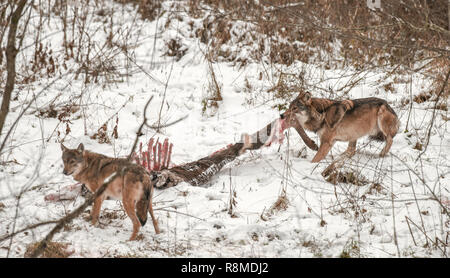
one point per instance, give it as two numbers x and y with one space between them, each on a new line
164 96
410 231
166 125
174 211
425 234
417 204
139 132
434 115
393 212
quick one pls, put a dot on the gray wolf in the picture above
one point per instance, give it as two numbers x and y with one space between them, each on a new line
133 185
346 120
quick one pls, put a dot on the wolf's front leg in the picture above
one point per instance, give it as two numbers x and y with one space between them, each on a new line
325 147
96 208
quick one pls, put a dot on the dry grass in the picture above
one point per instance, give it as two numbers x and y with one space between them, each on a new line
53 250
280 204
336 177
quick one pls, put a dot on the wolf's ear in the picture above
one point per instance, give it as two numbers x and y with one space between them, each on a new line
306 98
63 148
334 114
80 148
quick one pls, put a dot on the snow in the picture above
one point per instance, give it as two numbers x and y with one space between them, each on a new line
320 220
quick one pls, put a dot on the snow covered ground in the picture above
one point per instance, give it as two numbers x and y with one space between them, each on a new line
394 213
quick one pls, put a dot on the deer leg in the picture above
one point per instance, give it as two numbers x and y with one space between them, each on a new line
308 141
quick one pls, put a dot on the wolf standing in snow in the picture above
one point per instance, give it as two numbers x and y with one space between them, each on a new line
346 120
133 185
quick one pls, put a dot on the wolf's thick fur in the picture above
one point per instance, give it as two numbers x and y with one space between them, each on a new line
133 185
346 120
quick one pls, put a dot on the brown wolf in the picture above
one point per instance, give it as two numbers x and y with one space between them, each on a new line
346 120
133 185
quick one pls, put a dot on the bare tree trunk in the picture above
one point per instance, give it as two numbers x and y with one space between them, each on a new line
448 14
11 53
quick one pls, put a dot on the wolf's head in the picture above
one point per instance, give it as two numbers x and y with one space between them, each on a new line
305 108
301 103
72 159
300 107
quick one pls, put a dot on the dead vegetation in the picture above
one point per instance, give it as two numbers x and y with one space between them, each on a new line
103 136
348 177
402 37
53 250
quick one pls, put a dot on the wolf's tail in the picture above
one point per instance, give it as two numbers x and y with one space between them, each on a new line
143 203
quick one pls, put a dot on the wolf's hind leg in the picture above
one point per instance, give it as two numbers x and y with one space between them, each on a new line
351 149
150 209
129 206
388 124
388 145
129 200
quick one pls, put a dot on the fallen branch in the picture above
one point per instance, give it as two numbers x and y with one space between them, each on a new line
31 227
